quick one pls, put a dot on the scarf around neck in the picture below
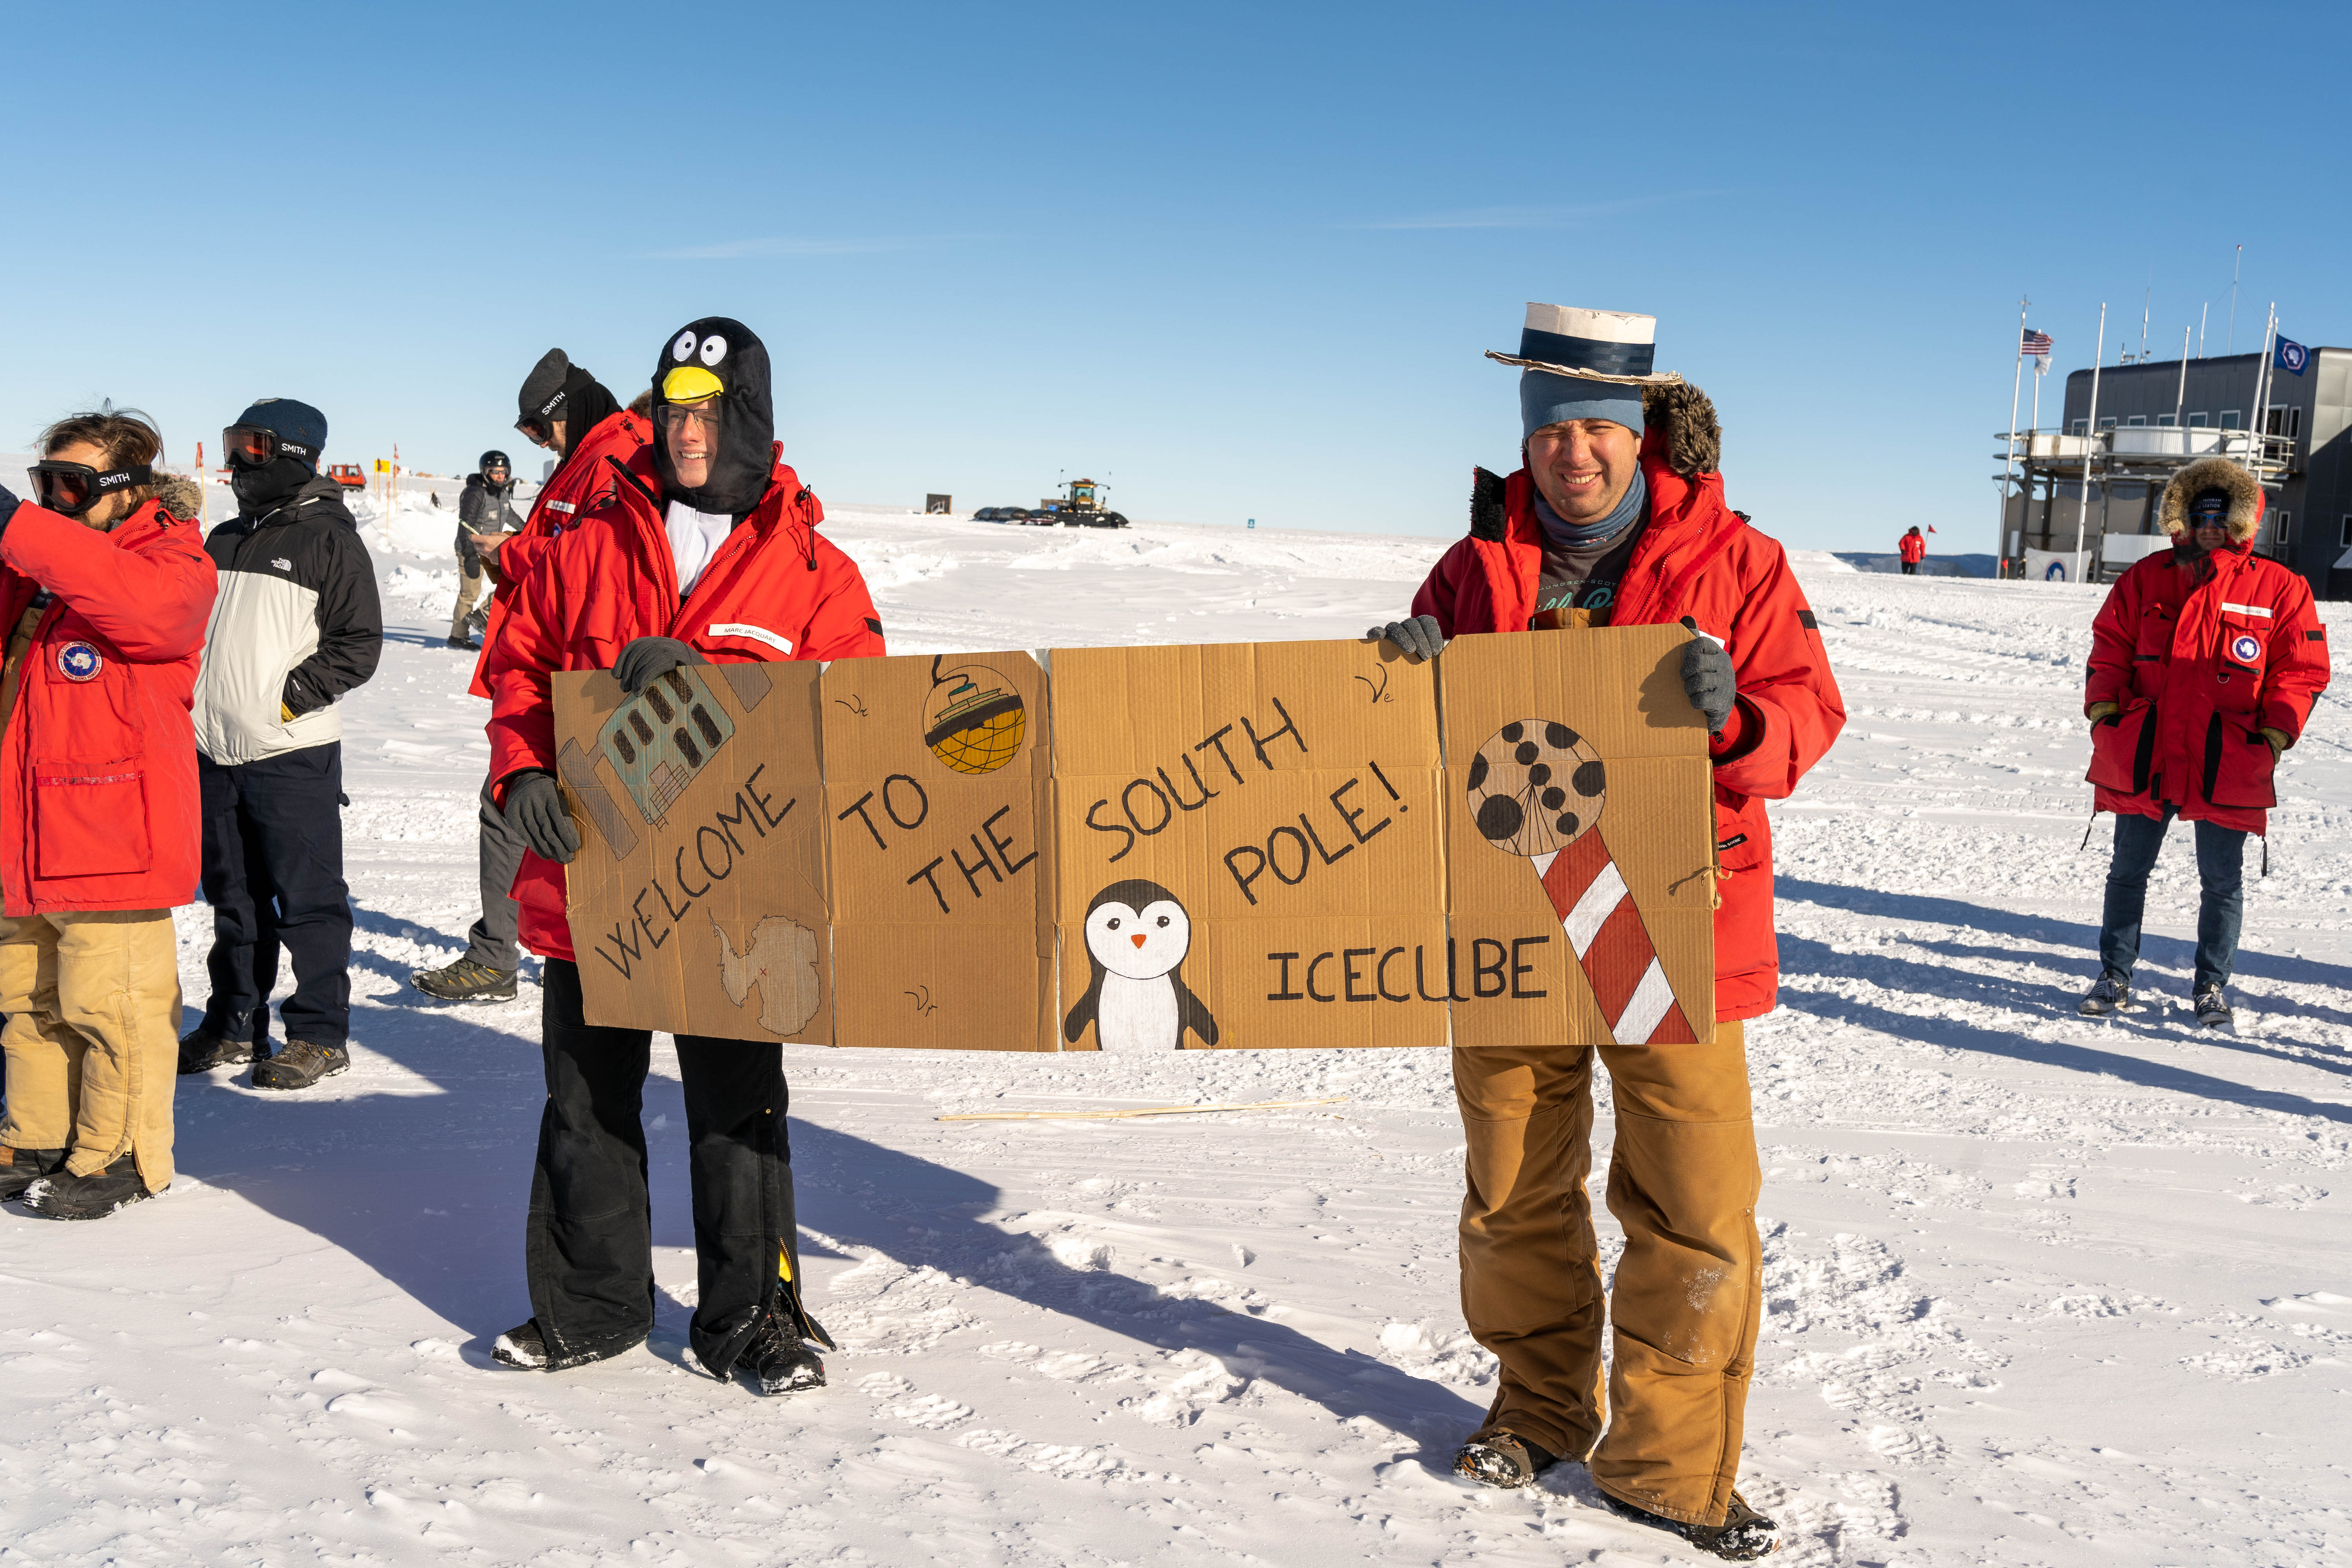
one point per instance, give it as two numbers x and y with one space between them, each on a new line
1631 508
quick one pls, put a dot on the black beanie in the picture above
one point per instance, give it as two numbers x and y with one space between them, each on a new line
719 354
296 425
542 389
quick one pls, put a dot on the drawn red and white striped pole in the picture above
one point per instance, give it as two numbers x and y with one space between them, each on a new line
1603 926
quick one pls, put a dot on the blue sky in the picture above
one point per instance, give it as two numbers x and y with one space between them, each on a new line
1242 259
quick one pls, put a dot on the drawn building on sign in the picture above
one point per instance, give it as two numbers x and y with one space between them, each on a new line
658 740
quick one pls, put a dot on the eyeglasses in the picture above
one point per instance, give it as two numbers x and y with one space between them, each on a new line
70 489
253 445
704 414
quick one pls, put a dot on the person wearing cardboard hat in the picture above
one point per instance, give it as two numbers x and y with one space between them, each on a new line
104 588
569 412
699 549
2205 661
1617 516
297 627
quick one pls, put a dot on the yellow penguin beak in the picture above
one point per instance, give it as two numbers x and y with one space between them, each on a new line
690 383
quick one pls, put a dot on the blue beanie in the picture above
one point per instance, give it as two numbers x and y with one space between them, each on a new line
1549 399
289 421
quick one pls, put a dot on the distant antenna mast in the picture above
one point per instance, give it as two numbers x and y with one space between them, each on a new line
2180 400
2144 299
2232 342
2204 312
2090 438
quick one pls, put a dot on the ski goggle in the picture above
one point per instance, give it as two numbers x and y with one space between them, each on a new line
70 489
538 431
252 445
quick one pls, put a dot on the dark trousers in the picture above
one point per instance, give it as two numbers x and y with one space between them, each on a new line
2220 907
589 1242
273 873
1910 569
492 940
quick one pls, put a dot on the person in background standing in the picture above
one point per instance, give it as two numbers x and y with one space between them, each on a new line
1914 549
296 627
105 588
484 519
2205 661
568 412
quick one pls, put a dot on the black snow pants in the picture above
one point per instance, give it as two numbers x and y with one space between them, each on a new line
273 873
589 1242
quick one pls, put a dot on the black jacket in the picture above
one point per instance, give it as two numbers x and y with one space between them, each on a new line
295 625
483 508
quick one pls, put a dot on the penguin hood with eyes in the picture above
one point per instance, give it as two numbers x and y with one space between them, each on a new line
718 356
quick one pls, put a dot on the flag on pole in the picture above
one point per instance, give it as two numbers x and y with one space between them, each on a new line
2033 343
2291 356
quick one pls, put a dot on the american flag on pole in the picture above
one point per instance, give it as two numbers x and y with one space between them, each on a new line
2032 343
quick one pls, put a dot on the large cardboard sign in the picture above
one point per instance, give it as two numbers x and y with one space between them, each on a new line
697 901
1236 846
1581 840
1250 840
942 866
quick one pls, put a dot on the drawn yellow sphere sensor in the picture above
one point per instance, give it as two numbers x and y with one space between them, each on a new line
974 720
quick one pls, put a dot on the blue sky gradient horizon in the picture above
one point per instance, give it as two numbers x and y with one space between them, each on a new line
1241 262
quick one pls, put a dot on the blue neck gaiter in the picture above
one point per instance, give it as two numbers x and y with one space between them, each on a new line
1631 508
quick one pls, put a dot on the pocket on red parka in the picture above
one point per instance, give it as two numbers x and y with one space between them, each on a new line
2123 748
90 819
2239 766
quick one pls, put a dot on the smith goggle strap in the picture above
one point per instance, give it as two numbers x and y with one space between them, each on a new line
70 489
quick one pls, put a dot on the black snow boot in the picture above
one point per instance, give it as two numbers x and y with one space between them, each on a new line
779 1360
1502 1458
2109 996
524 1349
465 645
2212 1009
467 980
93 1196
22 1167
299 1065
1742 1537
206 1047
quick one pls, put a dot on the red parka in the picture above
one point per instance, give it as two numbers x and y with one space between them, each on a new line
576 480
775 590
2201 655
1913 547
1696 557
97 768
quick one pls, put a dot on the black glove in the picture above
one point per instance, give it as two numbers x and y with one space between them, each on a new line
648 658
1419 637
1708 680
8 505
535 809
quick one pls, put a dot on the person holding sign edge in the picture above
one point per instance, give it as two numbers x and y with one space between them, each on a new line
1618 518
700 548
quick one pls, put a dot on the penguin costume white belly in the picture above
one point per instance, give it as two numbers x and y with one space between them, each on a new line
1137 937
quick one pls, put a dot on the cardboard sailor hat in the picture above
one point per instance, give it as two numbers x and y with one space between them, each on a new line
1592 345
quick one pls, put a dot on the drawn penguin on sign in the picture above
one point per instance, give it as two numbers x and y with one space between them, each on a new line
1137 937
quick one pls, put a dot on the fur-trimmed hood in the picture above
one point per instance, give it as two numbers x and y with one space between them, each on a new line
183 498
1685 416
2245 519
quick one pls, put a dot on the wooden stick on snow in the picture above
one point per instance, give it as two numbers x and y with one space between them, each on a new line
1151 1111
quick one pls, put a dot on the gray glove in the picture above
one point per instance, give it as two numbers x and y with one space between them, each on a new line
1419 637
535 809
647 659
1707 678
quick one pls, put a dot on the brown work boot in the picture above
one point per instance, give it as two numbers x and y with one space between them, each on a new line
1502 1458
299 1065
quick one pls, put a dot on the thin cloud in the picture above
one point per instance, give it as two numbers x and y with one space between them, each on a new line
1536 216
785 246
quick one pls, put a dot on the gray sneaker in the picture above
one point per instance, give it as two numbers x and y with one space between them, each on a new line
2212 1011
2109 996
299 1065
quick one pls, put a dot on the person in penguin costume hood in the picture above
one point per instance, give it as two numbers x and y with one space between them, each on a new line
714 418
700 547
1137 937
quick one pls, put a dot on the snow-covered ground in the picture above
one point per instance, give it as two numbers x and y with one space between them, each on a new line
2041 1290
